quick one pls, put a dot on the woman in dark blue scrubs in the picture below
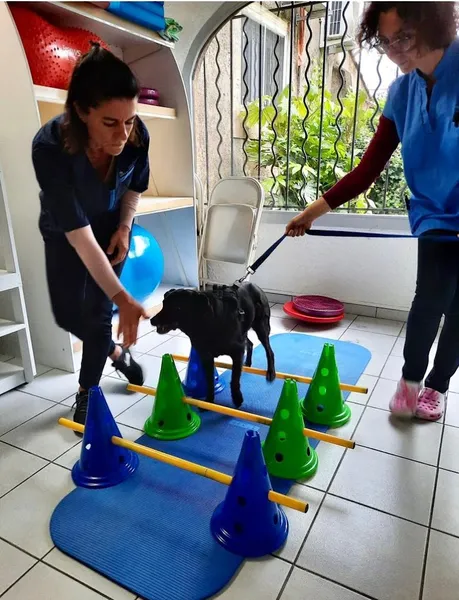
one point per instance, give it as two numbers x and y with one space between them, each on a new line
92 165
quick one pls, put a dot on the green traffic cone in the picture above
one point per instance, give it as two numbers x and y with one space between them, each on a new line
286 449
324 404
171 418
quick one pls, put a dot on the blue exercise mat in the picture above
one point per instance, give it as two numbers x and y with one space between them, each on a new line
151 534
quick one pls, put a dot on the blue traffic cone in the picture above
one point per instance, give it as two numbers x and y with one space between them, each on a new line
247 523
195 384
102 464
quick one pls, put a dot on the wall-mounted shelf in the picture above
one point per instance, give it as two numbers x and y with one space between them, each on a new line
145 111
153 204
25 107
8 327
112 29
8 281
11 376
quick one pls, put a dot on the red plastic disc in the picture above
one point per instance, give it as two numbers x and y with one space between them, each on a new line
290 310
318 306
152 101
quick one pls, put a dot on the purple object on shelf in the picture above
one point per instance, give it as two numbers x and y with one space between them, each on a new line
318 306
151 101
149 93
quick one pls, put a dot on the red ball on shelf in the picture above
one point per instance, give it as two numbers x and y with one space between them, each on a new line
51 51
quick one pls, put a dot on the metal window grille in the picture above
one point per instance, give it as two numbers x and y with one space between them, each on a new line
292 110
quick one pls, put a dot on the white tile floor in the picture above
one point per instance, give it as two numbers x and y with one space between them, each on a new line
383 521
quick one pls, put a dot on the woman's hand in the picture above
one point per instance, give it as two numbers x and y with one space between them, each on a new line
299 225
119 245
302 222
130 313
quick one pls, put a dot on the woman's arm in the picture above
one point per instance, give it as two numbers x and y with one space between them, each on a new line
95 260
129 203
377 155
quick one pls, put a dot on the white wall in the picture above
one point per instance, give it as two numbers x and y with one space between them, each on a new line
363 271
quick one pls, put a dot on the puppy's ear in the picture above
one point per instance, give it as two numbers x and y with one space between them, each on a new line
168 293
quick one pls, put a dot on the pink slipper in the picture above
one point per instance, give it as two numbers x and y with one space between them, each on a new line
431 405
403 403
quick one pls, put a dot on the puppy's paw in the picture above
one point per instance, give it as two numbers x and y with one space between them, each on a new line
247 363
270 376
210 399
238 399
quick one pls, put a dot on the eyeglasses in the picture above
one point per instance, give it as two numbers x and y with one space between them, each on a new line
402 43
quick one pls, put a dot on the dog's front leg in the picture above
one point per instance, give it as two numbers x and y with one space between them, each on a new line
208 366
236 394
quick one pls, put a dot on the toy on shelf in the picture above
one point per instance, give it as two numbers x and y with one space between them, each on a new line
315 309
149 96
147 14
324 404
51 51
144 267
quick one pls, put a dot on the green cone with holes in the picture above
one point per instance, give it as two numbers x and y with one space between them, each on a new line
171 418
286 449
324 404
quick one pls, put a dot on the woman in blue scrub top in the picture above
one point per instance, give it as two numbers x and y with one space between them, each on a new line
92 165
421 113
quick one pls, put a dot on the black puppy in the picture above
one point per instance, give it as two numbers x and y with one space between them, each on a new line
217 322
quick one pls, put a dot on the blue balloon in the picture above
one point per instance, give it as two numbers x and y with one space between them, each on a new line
144 267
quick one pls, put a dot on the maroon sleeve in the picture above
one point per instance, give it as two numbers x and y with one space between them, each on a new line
378 153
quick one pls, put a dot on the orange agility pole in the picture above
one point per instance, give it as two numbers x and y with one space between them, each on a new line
300 378
240 414
186 465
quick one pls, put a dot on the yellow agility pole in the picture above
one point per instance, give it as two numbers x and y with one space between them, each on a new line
299 378
240 414
186 465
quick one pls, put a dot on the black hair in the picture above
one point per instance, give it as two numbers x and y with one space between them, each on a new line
99 76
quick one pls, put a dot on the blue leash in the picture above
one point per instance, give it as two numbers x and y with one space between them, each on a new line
342 233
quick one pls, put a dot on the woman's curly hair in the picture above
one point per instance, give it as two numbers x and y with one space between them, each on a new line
435 23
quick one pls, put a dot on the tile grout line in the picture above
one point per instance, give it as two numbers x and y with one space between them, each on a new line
26 479
346 587
432 508
43 561
19 579
31 418
316 515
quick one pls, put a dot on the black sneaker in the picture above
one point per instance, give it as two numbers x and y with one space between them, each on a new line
81 408
128 367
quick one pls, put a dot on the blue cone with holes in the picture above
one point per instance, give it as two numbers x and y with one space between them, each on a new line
102 464
324 403
247 523
195 384
286 449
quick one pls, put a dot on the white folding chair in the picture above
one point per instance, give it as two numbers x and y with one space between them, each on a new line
231 225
